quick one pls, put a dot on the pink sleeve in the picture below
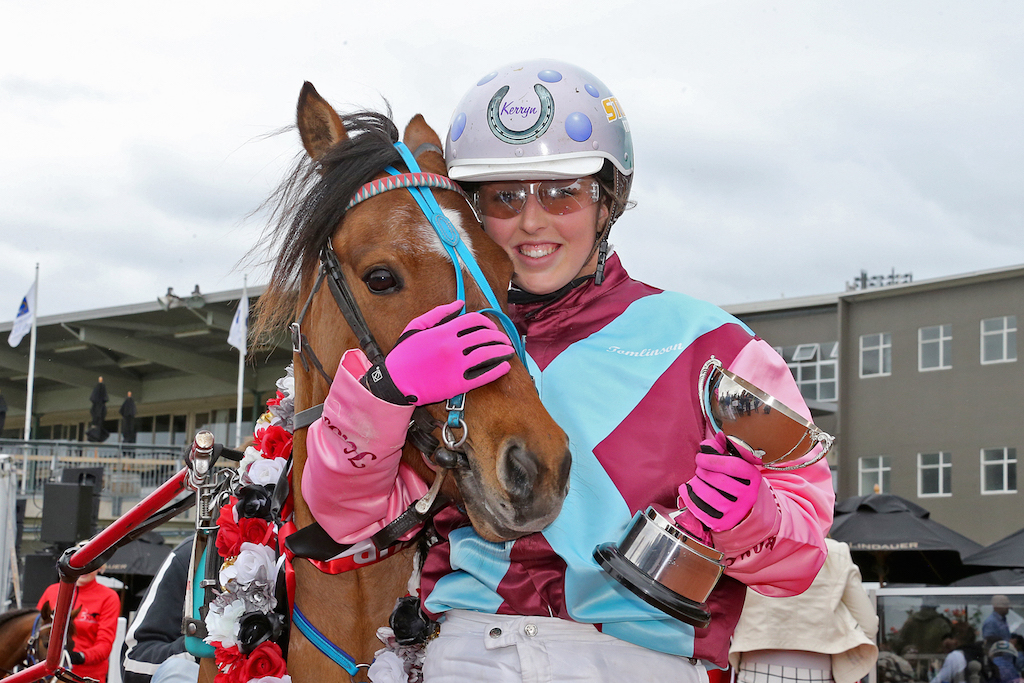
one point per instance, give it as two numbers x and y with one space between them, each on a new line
353 479
780 546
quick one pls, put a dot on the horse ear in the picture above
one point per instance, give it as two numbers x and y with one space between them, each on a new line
46 611
417 134
320 127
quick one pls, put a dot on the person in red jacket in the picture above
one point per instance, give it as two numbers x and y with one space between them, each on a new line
95 625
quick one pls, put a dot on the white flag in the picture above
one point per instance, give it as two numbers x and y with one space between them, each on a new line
23 321
240 325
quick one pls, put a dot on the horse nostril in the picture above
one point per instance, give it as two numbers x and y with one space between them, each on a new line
563 472
520 473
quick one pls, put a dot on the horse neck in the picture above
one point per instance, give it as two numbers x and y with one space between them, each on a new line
347 608
14 637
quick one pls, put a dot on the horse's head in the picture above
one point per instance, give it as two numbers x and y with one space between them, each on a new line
515 472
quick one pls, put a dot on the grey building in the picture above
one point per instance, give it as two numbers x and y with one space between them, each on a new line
171 353
927 390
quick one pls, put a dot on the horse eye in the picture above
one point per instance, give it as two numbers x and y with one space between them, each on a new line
381 281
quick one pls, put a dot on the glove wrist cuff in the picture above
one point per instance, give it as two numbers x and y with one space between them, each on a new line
379 382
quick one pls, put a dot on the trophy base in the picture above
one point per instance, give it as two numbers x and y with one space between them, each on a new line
649 590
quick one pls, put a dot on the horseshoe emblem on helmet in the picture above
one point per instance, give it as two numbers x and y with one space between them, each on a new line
539 127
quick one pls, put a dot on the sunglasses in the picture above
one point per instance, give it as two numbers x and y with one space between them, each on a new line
558 197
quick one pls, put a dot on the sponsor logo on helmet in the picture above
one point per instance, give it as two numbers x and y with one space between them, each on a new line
523 119
612 109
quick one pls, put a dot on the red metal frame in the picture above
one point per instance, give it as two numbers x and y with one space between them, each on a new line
79 559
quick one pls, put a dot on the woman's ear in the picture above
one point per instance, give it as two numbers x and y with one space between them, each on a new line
603 215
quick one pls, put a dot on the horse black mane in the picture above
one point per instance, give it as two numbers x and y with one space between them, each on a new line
309 204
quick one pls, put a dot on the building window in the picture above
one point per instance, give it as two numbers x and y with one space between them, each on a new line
999 340
999 470
934 474
814 369
874 472
935 347
876 354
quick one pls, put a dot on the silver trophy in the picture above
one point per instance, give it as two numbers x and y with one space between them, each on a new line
661 562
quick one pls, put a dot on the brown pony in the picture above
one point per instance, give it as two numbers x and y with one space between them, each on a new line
25 637
516 466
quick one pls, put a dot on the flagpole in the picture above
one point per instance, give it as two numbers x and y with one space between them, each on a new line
32 358
241 367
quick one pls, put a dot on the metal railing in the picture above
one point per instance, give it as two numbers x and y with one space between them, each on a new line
129 470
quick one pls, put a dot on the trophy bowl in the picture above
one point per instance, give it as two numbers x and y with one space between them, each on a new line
770 429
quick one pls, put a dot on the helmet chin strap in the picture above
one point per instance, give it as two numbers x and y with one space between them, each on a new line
521 296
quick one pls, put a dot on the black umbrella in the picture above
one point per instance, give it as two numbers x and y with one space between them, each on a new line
1007 553
143 556
893 540
999 577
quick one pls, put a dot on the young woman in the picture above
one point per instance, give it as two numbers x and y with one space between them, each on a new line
545 150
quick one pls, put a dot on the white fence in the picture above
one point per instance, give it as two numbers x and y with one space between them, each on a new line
130 471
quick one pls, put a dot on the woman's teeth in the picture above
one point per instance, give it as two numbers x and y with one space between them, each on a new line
537 251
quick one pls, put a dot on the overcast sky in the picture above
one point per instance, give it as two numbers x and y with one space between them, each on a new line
780 148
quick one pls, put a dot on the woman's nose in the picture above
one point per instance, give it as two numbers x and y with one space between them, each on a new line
533 216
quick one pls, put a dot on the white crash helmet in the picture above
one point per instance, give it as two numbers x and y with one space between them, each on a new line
541 120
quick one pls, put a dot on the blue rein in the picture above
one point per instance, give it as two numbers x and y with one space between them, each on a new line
322 643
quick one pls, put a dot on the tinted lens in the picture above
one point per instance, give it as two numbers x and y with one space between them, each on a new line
501 200
558 197
567 196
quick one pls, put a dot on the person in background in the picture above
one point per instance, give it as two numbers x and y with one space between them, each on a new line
995 628
154 647
924 632
954 666
1003 656
95 626
3 413
827 632
128 411
1017 641
546 153
98 413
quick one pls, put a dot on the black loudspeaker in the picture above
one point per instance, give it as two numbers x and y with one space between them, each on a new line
67 513
40 572
87 476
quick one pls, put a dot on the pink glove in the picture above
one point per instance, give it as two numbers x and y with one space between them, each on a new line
442 354
724 488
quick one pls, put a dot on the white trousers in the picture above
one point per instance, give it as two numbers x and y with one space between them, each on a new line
495 648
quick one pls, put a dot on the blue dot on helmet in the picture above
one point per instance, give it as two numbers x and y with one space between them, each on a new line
592 90
578 126
458 126
549 76
488 78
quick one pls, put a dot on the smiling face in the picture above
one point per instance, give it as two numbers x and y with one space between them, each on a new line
548 250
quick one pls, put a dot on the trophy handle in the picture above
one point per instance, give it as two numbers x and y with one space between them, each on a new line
711 368
816 436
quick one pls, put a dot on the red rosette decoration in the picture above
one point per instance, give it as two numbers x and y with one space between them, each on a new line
229 536
276 401
274 442
254 530
265 660
230 664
